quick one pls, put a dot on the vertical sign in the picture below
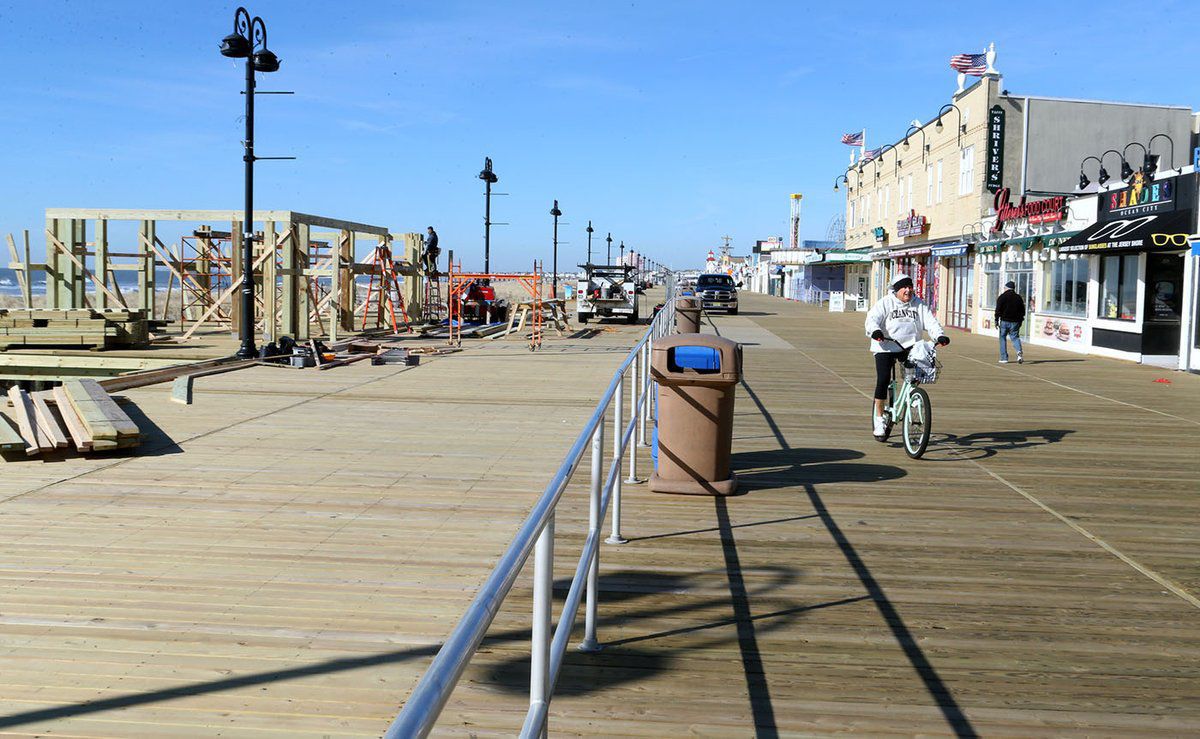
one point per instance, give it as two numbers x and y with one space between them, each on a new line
995 149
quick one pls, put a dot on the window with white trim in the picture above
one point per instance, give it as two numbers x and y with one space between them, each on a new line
929 185
900 194
887 205
939 180
911 203
867 210
966 171
851 220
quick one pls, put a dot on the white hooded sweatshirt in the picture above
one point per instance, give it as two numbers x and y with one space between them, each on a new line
901 322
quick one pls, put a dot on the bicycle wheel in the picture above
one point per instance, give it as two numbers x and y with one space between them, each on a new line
918 421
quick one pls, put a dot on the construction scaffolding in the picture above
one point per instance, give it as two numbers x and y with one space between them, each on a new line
458 284
307 282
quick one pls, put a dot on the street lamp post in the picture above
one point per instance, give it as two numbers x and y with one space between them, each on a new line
249 34
589 233
489 178
608 255
554 264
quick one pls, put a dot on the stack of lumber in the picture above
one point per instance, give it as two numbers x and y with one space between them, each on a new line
77 413
82 327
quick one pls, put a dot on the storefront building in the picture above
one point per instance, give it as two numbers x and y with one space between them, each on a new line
1136 253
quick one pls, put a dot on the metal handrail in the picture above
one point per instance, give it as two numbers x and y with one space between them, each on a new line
536 534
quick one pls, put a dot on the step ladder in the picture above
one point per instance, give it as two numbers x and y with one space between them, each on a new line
434 306
384 296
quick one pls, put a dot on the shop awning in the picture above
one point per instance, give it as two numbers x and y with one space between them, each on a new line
950 250
1049 241
1134 232
846 257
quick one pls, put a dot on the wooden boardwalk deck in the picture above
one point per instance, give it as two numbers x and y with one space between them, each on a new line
288 557
1016 582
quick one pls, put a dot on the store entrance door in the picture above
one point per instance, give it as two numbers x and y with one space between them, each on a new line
1023 277
1164 304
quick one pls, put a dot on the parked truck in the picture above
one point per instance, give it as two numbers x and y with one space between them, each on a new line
607 291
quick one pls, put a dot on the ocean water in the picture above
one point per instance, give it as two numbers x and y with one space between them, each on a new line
127 280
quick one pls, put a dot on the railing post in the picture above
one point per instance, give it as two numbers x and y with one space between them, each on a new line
635 390
590 642
618 401
644 385
543 599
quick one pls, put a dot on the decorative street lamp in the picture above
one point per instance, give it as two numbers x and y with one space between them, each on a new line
554 280
608 256
622 262
589 233
489 178
249 34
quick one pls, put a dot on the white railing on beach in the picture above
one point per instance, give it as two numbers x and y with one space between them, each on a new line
536 536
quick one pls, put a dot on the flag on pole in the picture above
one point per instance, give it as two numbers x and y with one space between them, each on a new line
853 139
972 64
871 154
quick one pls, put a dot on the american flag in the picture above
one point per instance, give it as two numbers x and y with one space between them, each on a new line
972 64
853 139
871 154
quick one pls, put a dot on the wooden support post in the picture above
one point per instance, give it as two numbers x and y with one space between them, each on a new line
22 271
146 286
235 266
343 277
291 282
270 280
64 285
101 262
28 275
300 245
414 279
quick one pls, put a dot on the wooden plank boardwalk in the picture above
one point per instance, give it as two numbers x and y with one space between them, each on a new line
1016 582
284 557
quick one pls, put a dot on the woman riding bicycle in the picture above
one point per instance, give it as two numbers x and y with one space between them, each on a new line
895 324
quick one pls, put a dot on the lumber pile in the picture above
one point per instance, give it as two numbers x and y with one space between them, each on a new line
107 329
78 413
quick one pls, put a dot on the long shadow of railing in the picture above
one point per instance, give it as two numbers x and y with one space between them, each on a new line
934 684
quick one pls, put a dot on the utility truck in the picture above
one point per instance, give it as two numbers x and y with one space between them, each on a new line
607 291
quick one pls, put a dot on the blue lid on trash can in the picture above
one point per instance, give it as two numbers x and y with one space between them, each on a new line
695 357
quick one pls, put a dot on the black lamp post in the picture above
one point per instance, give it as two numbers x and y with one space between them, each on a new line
589 233
249 34
608 255
554 280
489 178
622 262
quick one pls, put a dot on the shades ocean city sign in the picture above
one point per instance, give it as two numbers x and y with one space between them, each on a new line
1141 197
1047 210
914 225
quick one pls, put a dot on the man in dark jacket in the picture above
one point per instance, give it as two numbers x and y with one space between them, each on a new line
1010 314
430 257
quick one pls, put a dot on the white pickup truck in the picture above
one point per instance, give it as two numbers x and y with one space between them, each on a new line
607 291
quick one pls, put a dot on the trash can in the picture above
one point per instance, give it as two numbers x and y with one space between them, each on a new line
687 316
697 375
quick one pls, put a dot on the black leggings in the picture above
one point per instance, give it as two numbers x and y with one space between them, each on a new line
883 371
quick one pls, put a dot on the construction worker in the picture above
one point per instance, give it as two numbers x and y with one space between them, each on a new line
430 257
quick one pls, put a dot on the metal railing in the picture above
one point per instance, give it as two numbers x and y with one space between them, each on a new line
536 535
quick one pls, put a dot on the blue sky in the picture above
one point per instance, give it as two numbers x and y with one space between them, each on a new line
668 124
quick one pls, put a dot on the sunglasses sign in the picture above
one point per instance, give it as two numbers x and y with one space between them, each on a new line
1153 231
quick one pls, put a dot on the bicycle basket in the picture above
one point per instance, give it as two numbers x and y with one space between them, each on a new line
925 372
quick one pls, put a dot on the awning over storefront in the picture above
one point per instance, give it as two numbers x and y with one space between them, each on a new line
949 250
1049 241
842 257
1134 233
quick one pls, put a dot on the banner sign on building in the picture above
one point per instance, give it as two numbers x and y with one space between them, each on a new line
914 225
1047 210
995 149
1140 198
880 234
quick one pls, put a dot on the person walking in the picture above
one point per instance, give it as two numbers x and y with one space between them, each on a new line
894 324
1010 314
430 257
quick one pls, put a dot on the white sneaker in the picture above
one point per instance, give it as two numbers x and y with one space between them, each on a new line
1003 361
880 426
1020 359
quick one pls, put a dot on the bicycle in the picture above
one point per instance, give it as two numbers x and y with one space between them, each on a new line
908 404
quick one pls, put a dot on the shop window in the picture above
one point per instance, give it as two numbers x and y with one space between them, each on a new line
1065 289
991 283
966 171
1118 287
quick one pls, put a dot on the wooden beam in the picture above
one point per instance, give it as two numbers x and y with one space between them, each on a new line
46 422
126 214
23 413
75 260
22 276
237 285
71 419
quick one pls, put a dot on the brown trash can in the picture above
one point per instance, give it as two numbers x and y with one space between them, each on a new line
697 375
687 316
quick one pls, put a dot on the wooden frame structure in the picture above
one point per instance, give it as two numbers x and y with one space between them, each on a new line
312 272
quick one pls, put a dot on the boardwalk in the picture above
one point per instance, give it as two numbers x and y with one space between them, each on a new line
287 560
1036 574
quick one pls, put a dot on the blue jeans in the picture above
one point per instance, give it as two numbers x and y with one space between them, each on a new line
1008 328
